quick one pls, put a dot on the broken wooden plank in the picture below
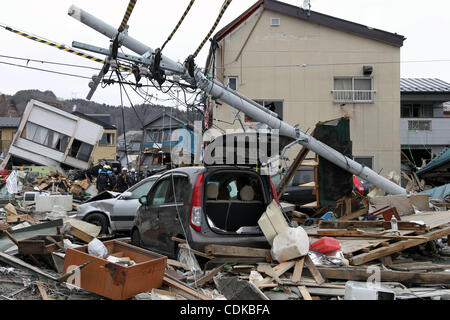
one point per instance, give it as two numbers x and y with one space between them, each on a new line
267 269
305 293
173 283
353 215
283 267
18 263
314 271
178 240
81 235
198 253
339 224
310 163
42 291
356 234
287 207
233 251
406 277
311 184
200 282
310 205
398 246
296 277
300 157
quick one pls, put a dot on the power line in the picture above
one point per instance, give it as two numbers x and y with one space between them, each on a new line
179 23
45 70
48 62
222 11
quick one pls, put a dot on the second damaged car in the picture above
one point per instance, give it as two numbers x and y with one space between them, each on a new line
113 211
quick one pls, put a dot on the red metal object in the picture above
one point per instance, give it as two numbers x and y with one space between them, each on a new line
116 281
325 245
387 213
358 185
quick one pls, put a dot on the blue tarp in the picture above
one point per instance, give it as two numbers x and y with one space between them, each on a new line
438 192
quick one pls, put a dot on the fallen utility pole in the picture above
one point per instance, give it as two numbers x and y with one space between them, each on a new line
217 90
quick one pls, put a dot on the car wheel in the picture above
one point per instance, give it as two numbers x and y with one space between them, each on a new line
99 220
135 238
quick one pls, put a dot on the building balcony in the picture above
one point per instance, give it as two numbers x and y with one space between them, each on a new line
353 96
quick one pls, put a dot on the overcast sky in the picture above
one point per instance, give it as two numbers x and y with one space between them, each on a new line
425 24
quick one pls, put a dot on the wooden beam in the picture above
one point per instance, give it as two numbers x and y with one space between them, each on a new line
209 276
359 234
305 293
311 184
267 269
310 205
296 277
173 283
292 170
42 291
398 246
198 253
339 224
361 274
353 215
314 271
283 267
79 234
233 251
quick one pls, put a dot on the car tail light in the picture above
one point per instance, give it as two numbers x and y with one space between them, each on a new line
274 192
196 204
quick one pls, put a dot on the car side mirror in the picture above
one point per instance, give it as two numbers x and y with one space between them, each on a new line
127 195
143 200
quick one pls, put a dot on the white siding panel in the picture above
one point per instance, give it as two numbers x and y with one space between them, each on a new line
35 158
53 121
39 149
88 132
77 163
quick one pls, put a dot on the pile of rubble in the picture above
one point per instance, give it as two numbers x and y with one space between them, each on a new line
374 247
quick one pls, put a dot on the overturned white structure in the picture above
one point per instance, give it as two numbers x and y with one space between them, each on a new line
48 136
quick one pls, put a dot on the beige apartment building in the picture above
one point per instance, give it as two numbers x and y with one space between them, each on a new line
310 67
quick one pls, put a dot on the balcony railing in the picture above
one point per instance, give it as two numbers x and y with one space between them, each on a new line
353 96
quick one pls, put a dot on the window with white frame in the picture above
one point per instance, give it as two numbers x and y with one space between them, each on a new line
353 90
233 83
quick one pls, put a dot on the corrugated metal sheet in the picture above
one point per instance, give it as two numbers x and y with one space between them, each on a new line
423 85
8 122
438 192
442 158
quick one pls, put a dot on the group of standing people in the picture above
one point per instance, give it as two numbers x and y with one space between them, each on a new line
107 180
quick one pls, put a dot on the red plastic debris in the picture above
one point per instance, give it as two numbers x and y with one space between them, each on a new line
325 245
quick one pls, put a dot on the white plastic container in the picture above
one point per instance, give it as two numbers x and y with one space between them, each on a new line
272 222
355 290
290 244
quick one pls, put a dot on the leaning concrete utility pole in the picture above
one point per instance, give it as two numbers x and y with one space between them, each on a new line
219 91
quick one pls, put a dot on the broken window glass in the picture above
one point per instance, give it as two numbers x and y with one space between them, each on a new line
80 150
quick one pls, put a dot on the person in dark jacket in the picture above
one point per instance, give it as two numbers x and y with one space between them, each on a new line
104 180
122 181
132 177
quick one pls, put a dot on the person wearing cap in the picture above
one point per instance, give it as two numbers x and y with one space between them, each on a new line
122 181
132 177
104 181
